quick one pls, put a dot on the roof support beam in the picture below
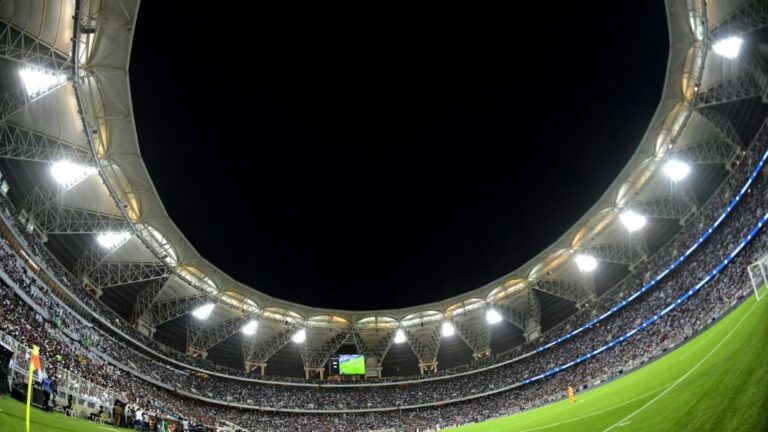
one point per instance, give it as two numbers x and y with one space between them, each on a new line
377 351
166 311
258 353
709 151
20 143
476 335
522 319
20 46
746 84
315 353
573 290
723 127
625 253
109 275
12 102
202 338
667 208
69 220
93 268
147 298
425 343
41 198
517 317
748 18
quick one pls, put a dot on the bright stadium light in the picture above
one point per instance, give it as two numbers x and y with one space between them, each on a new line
38 81
204 311
400 336
676 170
492 316
728 47
447 329
300 336
68 174
633 221
250 328
112 240
586 263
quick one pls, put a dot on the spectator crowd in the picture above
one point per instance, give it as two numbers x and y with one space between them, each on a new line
33 314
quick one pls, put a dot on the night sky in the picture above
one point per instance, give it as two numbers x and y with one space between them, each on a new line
385 158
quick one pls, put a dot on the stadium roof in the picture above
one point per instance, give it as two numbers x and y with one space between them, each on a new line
89 121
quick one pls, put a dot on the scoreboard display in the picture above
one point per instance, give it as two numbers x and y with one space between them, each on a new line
347 364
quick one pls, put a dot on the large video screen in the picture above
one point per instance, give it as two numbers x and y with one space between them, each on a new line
351 364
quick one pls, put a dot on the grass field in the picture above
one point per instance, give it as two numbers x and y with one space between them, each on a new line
716 382
12 420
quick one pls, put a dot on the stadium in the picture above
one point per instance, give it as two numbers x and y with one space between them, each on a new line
649 307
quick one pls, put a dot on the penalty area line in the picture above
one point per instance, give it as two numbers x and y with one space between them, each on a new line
679 380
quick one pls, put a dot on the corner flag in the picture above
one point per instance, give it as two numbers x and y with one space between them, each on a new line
34 364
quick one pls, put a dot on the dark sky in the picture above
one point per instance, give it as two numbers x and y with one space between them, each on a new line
386 158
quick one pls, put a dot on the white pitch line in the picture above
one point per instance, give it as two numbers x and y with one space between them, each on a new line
652 401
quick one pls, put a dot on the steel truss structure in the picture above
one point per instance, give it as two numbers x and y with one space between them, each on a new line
748 18
744 85
673 207
258 353
316 350
620 253
521 319
103 269
379 349
11 103
146 299
21 46
71 220
425 343
202 337
476 334
20 143
94 267
575 290
161 312
708 151
723 127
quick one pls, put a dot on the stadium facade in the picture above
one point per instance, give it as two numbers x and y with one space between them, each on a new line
102 219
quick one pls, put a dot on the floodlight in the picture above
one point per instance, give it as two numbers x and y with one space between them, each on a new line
676 170
300 336
492 316
633 221
728 47
250 328
447 329
586 263
68 173
204 311
400 336
112 240
38 81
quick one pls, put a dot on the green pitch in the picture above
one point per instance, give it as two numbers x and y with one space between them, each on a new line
355 366
716 382
12 420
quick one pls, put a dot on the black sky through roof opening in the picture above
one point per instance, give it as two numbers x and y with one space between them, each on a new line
394 160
